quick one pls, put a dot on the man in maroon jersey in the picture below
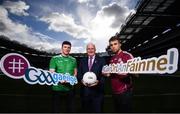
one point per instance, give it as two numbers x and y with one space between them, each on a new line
121 82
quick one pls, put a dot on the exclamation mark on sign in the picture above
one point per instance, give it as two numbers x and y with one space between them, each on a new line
173 59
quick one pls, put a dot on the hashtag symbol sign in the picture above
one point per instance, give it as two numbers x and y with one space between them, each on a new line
14 65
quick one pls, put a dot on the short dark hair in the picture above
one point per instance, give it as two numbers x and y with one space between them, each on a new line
113 38
66 43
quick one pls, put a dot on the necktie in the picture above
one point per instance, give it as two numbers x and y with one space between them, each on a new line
90 63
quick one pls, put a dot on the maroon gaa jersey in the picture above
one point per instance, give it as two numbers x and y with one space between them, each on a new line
121 82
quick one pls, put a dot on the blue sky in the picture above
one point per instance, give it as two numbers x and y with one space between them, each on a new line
44 24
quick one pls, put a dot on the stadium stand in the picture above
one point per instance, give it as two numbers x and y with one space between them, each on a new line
152 30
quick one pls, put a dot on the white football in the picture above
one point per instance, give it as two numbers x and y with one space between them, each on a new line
89 78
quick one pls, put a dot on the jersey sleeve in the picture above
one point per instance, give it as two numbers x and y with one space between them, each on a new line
75 63
127 56
130 56
52 64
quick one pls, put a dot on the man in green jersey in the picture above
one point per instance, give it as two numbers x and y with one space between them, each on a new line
63 93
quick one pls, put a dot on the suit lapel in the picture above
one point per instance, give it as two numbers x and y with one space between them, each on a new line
86 63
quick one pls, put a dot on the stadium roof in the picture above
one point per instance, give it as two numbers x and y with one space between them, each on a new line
150 27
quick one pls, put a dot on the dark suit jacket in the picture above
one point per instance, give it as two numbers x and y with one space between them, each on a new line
98 63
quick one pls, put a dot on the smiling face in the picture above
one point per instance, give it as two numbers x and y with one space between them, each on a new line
91 49
66 49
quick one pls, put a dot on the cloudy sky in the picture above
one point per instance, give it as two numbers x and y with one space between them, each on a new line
44 24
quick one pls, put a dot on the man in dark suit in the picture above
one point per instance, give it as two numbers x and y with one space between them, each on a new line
91 94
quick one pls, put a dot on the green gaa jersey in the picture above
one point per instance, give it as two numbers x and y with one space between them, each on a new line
63 64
